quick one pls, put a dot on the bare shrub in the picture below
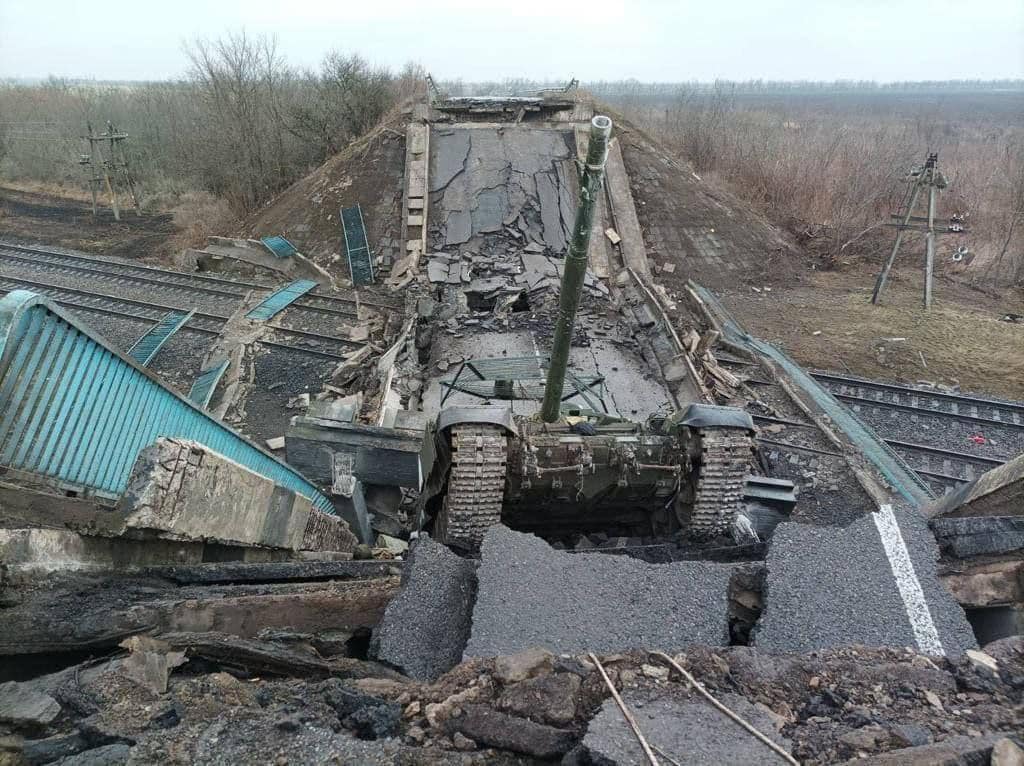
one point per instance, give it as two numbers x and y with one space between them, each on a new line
198 215
229 128
343 100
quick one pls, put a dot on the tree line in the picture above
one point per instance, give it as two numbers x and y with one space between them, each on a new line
241 124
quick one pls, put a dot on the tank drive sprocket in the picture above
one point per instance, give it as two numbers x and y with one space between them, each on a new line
725 463
476 485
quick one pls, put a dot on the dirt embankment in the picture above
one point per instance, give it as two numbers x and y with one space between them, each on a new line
370 173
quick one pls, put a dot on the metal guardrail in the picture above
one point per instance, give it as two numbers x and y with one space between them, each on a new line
360 260
204 385
279 246
902 477
75 412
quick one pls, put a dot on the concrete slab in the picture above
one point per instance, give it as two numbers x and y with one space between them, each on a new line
182 490
426 626
449 150
530 595
688 733
999 492
873 583
485 177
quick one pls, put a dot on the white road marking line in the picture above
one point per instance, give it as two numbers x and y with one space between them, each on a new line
921 622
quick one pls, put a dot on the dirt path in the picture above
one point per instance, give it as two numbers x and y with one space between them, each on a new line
828 322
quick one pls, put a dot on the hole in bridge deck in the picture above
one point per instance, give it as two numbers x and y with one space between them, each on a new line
994 622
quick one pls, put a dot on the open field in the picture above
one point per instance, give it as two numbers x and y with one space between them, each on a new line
829 165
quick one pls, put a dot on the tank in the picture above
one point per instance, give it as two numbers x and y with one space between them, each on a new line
579 470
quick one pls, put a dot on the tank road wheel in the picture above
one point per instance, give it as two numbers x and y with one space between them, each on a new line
476 485
724 464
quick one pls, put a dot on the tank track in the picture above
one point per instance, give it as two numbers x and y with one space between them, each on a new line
725 463
476 485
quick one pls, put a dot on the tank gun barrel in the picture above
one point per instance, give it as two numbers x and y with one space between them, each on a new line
574 269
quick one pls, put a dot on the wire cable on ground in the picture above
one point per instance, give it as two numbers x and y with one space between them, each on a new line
625 711
707 695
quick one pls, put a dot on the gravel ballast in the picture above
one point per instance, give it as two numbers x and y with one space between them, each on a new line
530 595
425 627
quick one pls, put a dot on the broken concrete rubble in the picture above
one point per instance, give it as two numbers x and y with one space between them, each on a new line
255 254
184 490
262 696
519 735
268 676
966 536
998 492
530 595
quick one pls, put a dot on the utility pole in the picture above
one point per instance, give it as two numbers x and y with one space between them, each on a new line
110 169
929 177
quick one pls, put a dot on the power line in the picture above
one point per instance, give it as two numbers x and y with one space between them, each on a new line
926 177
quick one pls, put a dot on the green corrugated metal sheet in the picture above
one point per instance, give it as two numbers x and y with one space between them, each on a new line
360 260
204 386
279 246
76 412
149 345
280 298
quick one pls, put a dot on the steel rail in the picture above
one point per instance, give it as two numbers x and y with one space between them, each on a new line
170 280
105 296
117 275
927 411
348 301
195 329
910 390
165 308
952 454
920 471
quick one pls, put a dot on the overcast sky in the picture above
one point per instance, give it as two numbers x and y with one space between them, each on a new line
651 40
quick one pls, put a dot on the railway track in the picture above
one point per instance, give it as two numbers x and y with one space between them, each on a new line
938 404
942 464
947 468
204 323
41 259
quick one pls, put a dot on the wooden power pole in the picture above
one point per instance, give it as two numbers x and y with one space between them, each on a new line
928 178
109 170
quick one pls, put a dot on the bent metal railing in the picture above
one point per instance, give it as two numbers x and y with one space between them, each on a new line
76 412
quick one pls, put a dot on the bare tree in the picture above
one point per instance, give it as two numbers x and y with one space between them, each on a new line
239 80
343 100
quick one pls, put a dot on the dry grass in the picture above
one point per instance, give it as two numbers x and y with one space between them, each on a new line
831 170
962 341
78 192
197 215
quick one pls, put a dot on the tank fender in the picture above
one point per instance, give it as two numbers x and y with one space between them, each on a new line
497 415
